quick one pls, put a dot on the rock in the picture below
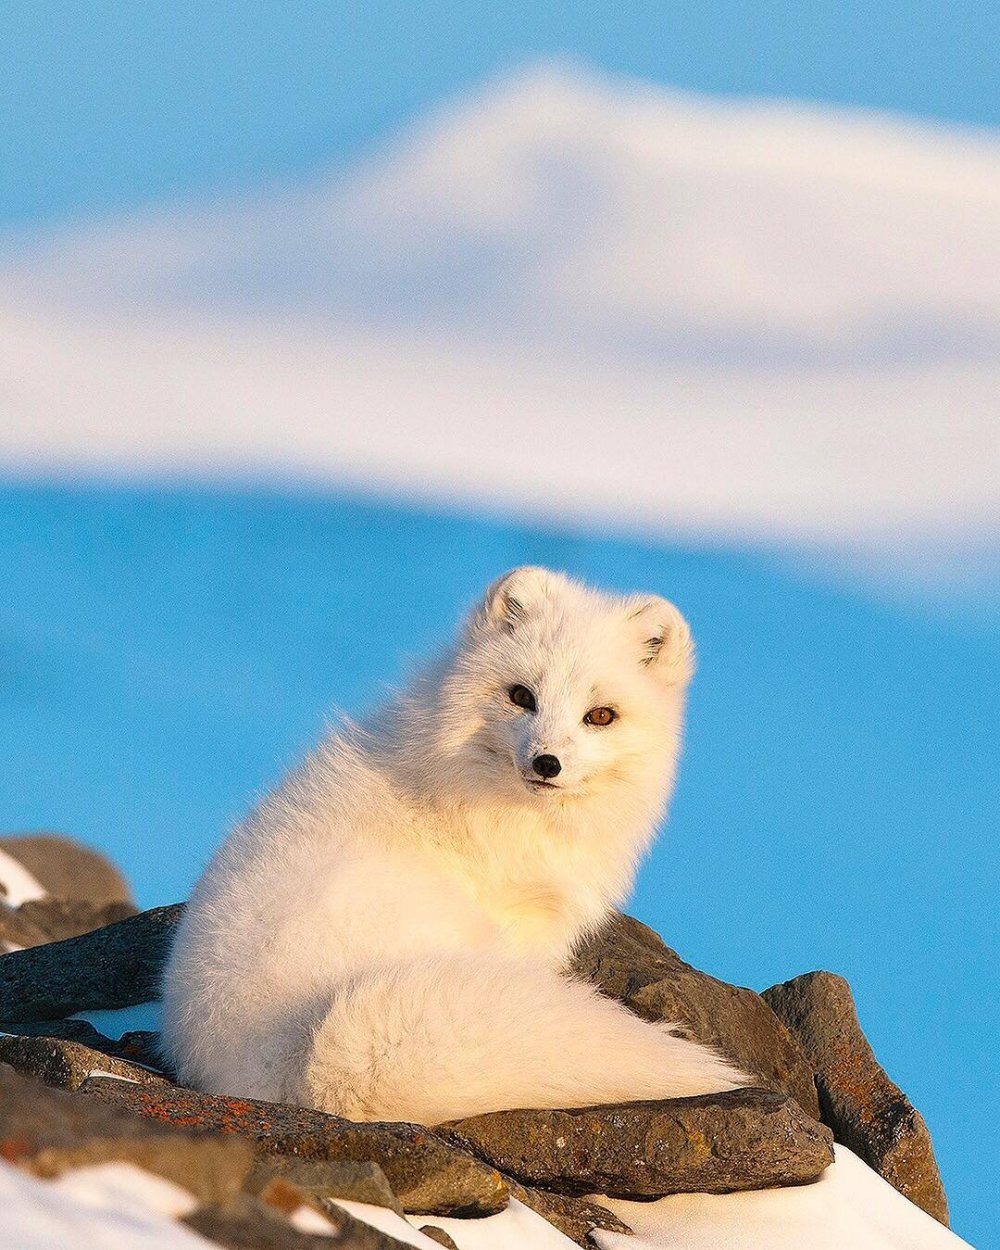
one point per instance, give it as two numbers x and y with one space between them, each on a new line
247 1223
66 1065
67 869
867 1112
426 1173
16 930
47 1132
357 1181
439 1235
140 1046
576 1217
117 966
81 1031
58 918
715 1143
366 1182
628 961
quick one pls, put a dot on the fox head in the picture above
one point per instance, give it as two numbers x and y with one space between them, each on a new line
557 692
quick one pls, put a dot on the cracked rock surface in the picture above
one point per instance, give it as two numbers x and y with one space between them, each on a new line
715 1143
867 1112
630 962
427 1173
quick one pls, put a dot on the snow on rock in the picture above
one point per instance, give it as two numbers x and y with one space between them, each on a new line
115 1207
19 886
119 1207
849 1206
144 1017
517 1226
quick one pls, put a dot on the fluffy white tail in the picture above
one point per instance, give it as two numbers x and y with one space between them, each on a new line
442 1038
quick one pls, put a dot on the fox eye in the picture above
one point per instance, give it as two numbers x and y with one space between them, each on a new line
522 697
600 716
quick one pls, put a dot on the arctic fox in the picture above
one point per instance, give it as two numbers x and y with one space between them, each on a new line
385 937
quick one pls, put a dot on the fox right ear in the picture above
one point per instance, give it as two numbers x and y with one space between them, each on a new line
511 598
663 637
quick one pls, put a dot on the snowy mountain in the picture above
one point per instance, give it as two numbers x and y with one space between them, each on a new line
615 214
573 297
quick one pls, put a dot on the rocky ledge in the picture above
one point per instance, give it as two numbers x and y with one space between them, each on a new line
70 1096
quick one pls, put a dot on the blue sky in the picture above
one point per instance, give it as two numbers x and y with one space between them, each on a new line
109 105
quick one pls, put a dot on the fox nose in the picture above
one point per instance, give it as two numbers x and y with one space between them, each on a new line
546 766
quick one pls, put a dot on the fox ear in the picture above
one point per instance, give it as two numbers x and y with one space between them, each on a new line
663 639
512 598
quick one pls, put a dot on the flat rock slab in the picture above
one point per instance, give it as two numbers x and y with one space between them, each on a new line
867 1112
426 1173
716 1143
47 1132
66 1065
326 1179
117 966
59 918
139 1047
629 962
246 1223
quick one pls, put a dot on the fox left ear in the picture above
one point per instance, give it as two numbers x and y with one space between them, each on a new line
663 639
513 597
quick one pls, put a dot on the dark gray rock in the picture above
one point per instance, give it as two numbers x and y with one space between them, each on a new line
247 1223
48 1132
66 1065
117 966
439 1235
81 1031
628 961
140 1047
326 1179
576 1217
867 1112
67 869
17 930
59 918
715 1143
425 1172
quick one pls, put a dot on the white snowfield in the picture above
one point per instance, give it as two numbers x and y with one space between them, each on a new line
849 1208
119 1207
566 297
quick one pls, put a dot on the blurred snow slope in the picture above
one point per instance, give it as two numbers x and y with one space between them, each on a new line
566 296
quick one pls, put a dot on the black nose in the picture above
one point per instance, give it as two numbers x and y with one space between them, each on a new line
546 766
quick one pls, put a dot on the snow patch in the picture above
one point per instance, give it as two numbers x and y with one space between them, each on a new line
115 1206
20 885
120 1207
144 1017
850 1205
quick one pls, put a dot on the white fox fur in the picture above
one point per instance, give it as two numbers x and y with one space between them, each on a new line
384 937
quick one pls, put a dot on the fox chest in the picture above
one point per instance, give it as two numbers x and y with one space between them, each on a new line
535 918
